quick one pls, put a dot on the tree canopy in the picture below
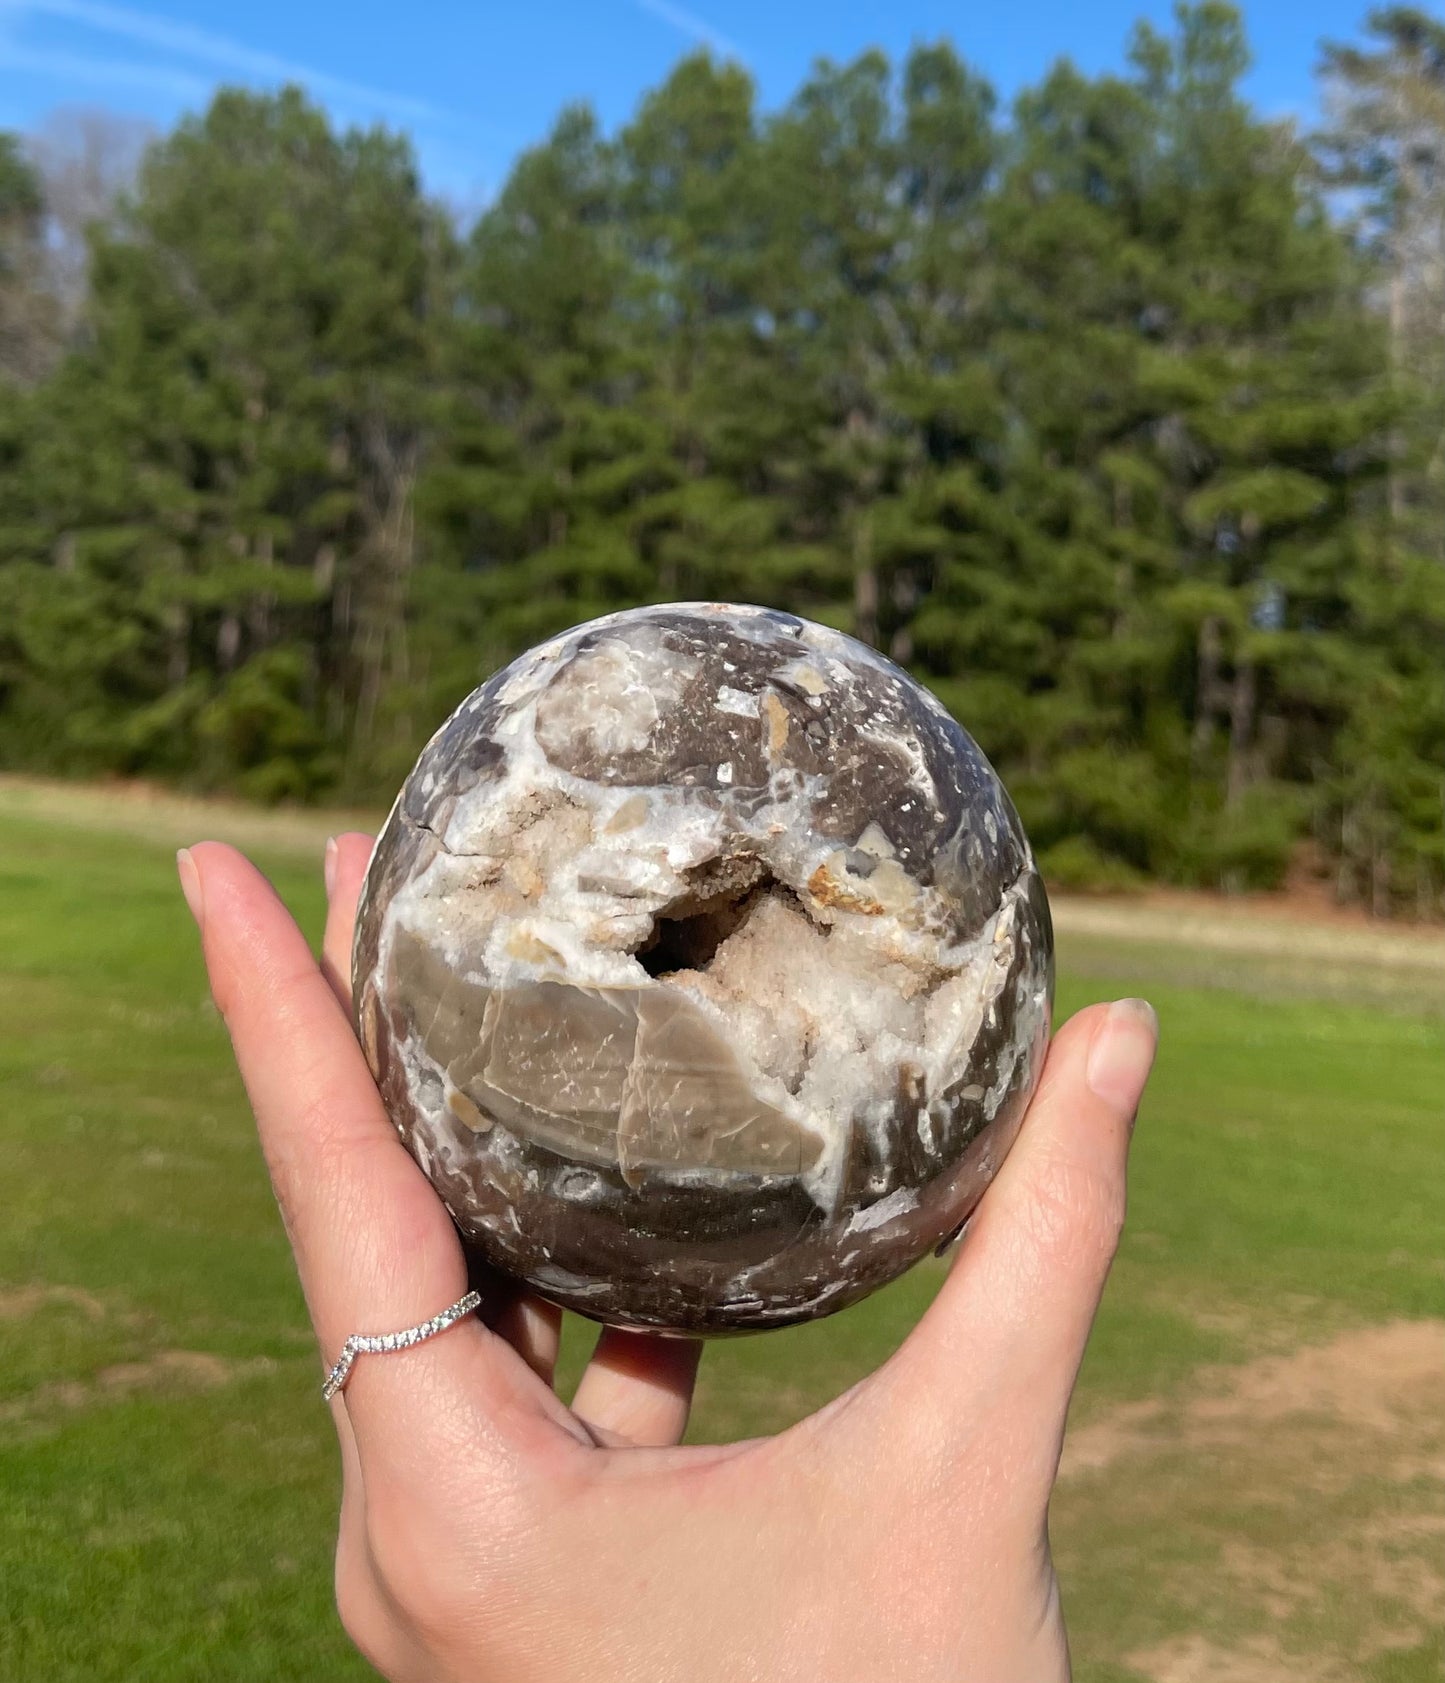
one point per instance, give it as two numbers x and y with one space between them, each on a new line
1115 417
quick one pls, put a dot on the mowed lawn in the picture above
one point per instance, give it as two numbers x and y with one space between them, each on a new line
1255 1485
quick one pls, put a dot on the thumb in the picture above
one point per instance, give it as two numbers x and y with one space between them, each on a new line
1011 1321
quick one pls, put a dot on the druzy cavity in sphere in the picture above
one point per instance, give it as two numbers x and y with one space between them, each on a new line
704 968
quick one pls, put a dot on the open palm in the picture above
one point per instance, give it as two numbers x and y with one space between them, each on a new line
490 1534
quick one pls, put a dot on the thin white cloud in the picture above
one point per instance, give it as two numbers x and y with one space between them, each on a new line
688 23
186 41
104 72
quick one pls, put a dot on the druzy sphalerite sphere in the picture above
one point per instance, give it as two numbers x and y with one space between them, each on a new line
704 968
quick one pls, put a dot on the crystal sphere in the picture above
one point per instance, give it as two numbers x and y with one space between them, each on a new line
704 968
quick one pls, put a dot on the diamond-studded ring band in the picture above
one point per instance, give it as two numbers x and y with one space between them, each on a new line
381 1344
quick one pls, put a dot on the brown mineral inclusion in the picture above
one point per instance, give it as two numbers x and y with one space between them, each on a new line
703 966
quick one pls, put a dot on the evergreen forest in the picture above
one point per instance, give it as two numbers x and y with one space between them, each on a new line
1117 415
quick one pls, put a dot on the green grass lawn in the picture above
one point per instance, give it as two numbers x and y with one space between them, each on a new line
167 1473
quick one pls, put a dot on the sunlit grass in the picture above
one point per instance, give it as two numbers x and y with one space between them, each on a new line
168 1518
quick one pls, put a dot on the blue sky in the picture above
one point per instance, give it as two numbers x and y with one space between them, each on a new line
475 81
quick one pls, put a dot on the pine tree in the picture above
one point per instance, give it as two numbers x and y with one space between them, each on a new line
28 316
541 442
232 453
1383 781
1106 416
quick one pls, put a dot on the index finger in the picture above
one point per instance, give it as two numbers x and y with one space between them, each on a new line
374 1245
347 857
530 1326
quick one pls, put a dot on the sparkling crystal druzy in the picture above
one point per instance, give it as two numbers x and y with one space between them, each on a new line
704 968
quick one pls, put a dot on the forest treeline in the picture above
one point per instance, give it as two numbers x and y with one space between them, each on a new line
1118 417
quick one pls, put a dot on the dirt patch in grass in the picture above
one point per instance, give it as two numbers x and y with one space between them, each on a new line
1313 1484
1128 1429
19 1303
1193 1659
1385 1560
1374 1379
164 1371
197 1370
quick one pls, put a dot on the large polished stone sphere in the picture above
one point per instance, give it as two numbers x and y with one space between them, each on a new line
703 966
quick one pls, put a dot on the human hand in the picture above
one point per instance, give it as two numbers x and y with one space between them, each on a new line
489 1534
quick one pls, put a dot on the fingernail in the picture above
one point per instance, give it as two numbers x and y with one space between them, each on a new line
328 867
1123 1053
190 883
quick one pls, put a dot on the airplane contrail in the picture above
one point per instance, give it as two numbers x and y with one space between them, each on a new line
690 24
186 41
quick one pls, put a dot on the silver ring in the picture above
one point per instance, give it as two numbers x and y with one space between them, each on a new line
380 1344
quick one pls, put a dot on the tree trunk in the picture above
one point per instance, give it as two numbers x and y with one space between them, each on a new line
391 545
1380 880
323 568
1243 694
228 641
1397 440
865 584
178 641
1206 688
904 596
263 606
1345 870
